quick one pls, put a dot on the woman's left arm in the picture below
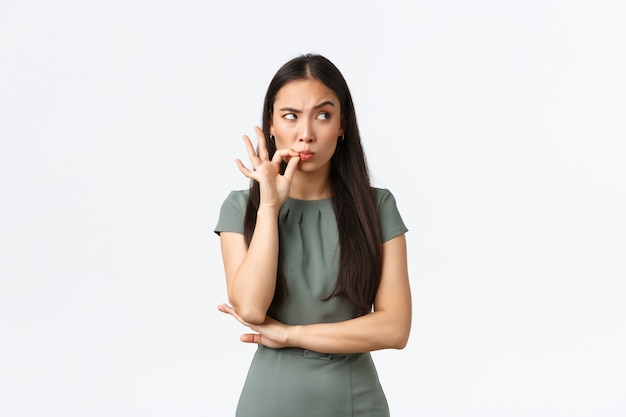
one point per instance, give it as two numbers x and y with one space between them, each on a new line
388 326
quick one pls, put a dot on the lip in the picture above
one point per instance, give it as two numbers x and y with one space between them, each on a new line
306 155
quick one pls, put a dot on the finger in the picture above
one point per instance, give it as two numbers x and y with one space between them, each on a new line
244 170
224 308
250 338
251 151
263 154
283 154
230 310
292 165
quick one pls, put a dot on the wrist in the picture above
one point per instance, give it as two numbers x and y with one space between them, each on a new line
294 336
267 210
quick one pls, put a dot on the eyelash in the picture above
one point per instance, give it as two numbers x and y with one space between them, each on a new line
292 116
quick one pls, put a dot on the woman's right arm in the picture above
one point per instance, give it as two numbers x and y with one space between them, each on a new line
251 271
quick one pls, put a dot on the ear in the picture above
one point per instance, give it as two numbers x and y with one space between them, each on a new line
343 125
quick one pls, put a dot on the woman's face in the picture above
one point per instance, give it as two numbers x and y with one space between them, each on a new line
306 118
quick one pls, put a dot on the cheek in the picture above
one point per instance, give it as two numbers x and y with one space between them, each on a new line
274 124
331 146
282 132
282 140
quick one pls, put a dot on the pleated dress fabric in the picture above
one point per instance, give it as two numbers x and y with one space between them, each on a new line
293 382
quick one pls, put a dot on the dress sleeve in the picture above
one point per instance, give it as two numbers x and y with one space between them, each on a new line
232 213
391 223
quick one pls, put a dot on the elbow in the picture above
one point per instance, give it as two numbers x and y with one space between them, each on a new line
399 338
399 341
396 331
248 311
252 315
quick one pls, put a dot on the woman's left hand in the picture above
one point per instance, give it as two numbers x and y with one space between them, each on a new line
270 333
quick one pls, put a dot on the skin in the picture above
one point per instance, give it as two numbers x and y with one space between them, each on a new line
306 123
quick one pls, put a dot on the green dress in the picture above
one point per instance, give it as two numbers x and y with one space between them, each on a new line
294 382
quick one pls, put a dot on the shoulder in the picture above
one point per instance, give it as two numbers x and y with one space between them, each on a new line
390 219
384 196
237 198
232 212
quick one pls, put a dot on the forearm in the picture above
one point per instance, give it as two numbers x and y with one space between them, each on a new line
374 331
251 289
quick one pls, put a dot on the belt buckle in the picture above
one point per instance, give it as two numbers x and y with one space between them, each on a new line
309 354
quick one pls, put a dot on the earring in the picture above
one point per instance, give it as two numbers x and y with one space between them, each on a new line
272 137
341 138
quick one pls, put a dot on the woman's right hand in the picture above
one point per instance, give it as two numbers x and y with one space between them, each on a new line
273 186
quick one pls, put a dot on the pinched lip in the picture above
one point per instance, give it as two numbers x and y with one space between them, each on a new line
306 155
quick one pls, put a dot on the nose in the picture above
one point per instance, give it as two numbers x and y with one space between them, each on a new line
307 133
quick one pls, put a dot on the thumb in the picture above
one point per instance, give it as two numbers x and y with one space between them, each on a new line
291 167
250 338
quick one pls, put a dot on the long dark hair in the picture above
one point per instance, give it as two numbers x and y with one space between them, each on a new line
354 200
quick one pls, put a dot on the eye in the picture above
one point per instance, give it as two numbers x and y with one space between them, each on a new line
290 116
323 116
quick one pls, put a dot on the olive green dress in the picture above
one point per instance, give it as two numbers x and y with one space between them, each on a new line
294 382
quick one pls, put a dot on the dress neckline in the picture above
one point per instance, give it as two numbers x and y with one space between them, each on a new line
298 200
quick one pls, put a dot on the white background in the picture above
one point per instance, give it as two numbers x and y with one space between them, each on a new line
498 125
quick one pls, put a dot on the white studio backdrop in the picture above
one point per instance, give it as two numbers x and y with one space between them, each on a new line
499 127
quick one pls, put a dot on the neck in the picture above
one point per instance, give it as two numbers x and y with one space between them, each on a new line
305 186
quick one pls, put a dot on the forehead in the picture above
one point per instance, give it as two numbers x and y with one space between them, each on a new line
303 93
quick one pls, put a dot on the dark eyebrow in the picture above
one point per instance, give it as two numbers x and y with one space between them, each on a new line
325 103
322 104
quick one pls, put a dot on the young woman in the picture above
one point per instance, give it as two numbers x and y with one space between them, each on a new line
315 257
